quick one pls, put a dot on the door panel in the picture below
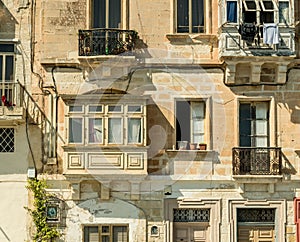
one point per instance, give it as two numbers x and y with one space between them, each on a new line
256 234
265 234
181 235
198 234
192 233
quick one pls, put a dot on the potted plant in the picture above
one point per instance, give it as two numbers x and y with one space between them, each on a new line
202 146
193 146
182 145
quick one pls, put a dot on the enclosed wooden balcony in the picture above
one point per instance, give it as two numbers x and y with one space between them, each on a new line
256 161
238 41
95 42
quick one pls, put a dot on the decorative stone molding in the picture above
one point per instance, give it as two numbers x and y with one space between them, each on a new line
280 215
214 205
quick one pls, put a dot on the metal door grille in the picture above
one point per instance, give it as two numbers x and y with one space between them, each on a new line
191 215
258 215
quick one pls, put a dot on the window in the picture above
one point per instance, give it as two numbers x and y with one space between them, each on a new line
106 233
190 16
106 124
7 139
231 11
284 13
268 73
106 14
190 123
254 124
258 12
7 66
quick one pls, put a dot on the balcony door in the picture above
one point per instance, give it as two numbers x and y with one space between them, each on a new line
256 224
7 66
106 14
254 124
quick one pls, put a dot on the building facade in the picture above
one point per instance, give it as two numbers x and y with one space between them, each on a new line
18 134
159 121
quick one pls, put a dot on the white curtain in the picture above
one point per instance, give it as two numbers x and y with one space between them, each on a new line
197 110
261 125
95 130
134 130
115 130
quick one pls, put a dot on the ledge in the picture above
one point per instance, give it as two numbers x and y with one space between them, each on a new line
192 155
12 114
267 179
49 62
190 38
102 148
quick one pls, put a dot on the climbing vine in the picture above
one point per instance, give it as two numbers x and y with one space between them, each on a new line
44 232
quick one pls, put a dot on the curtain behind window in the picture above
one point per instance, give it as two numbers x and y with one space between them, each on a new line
182 16
284 12
134 130
114 14
197 16
95 130
75 130
232 11
99 15
115 130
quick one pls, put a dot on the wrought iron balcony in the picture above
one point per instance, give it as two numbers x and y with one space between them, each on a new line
95 42
256 161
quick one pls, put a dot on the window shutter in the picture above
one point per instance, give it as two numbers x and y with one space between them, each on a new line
91 234
261 124
119 234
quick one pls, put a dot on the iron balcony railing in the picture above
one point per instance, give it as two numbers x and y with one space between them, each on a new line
256 160
95 42
11 94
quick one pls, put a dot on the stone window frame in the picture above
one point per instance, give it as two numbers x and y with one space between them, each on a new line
8 86
190 26
280 215
4 143
207 120
207 20
124 14
104 233
272 117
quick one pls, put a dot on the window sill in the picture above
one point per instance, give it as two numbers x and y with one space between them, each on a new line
192 155
83 148
191 37
257 178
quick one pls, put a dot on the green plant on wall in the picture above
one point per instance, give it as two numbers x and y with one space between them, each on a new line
44 232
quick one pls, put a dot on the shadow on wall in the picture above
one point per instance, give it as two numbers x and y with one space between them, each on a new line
160 131
291 103
287 168
8 23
